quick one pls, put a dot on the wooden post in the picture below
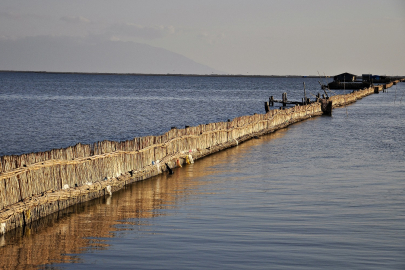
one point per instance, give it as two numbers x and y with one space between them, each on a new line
271 101
266 106
284 98
326 107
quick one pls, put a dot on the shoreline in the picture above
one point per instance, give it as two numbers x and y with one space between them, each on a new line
177 74
167 74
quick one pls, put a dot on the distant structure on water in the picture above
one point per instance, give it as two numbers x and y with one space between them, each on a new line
350 81
376 78
345 77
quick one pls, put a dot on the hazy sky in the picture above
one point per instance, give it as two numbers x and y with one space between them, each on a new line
237 37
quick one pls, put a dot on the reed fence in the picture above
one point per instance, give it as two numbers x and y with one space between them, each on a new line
89 168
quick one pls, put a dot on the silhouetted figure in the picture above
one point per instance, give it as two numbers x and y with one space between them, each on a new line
168 168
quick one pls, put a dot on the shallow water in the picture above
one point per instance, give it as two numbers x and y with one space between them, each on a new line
45 111
324 193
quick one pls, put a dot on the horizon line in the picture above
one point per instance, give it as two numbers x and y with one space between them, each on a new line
157 74
175 74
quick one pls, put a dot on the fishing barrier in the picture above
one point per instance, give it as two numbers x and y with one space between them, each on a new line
37 184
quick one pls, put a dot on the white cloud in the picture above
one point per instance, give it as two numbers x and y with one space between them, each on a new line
212 38
139 31
75 19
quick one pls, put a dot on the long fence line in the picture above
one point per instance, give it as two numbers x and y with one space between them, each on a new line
37 184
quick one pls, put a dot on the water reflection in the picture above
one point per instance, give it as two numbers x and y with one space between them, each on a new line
56 238
80 227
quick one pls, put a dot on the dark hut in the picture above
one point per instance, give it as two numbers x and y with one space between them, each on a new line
345 77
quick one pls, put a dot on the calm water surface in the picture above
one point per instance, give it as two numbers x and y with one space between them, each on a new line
326 193
45 111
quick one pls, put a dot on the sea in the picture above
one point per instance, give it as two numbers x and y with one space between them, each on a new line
324 193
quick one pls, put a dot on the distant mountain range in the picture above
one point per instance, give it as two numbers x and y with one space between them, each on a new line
68 54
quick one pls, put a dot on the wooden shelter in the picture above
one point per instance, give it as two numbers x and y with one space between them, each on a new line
345 77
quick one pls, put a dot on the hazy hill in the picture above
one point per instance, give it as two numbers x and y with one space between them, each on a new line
66 54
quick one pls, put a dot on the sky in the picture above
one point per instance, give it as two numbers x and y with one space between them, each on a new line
255 37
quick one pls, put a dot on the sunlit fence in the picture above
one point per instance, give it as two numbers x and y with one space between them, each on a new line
86 168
